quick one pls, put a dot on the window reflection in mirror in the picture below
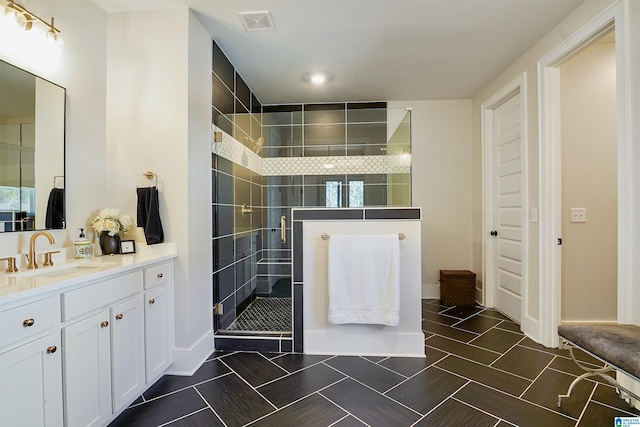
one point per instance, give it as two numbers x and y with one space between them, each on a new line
32 117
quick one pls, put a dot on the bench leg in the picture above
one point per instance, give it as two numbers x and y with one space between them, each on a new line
622 392
590 372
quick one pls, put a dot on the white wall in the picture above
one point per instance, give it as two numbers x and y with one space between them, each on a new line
322 337
441 184
158 116
82 71
589 180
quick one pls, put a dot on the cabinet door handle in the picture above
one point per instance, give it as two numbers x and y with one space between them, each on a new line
118 316
28 322
104 324
151 301
160 275
52 349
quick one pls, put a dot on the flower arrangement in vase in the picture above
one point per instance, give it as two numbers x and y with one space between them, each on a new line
109 224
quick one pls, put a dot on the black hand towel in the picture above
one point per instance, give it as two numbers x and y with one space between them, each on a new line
149 215
54 217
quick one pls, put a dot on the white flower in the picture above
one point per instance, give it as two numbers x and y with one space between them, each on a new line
111 221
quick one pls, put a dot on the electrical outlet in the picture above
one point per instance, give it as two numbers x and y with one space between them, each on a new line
578 215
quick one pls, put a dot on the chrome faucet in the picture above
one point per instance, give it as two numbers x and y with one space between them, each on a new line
32 247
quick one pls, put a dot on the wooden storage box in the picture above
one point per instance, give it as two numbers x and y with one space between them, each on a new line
458 287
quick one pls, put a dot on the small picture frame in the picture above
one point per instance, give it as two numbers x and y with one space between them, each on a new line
127 247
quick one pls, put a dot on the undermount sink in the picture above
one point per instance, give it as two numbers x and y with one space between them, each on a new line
65 269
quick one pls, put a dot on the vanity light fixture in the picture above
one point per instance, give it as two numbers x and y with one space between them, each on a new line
30 34
25 19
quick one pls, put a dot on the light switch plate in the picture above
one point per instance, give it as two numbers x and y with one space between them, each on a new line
578 215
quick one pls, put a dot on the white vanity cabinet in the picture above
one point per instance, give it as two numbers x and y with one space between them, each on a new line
80 350
30 371
104 353
158 320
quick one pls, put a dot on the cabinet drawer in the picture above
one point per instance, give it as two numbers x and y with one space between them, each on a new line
27 320
157 275
85 300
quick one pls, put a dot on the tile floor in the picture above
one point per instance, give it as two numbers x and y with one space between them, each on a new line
264 314
480 370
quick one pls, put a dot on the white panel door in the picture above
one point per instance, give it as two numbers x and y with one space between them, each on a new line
507 207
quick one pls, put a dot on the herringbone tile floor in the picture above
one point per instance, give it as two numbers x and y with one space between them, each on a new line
480 370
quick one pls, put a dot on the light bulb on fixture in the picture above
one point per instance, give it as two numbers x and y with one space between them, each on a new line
318 79
406 154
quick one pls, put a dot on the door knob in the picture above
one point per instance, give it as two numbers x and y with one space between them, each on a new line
494 233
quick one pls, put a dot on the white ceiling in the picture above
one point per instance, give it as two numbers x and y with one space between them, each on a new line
372 49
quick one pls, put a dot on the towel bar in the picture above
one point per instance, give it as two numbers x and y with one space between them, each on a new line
325 236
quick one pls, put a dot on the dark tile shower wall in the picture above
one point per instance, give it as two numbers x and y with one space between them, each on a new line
236 236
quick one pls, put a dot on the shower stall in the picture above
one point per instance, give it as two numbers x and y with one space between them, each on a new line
269 159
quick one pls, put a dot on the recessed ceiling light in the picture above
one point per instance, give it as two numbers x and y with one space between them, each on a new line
318 79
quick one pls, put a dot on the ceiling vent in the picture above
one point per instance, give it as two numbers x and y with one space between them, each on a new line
256 21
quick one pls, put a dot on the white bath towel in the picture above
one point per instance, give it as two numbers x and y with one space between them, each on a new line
364 279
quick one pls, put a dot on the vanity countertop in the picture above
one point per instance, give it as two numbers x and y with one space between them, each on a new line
73 273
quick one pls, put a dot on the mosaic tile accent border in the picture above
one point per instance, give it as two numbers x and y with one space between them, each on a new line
231 149
339 165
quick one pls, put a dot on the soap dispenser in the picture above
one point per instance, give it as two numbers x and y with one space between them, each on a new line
82 246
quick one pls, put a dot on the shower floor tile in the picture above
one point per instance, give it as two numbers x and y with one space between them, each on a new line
264 315
500 379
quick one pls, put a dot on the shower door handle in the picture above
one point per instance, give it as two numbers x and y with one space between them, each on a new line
283 229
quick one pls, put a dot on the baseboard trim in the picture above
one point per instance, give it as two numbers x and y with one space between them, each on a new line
430 291
358 343
186 361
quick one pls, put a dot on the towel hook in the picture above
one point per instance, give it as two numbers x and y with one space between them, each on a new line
151 175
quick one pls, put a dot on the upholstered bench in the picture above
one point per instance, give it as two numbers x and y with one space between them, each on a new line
617 346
